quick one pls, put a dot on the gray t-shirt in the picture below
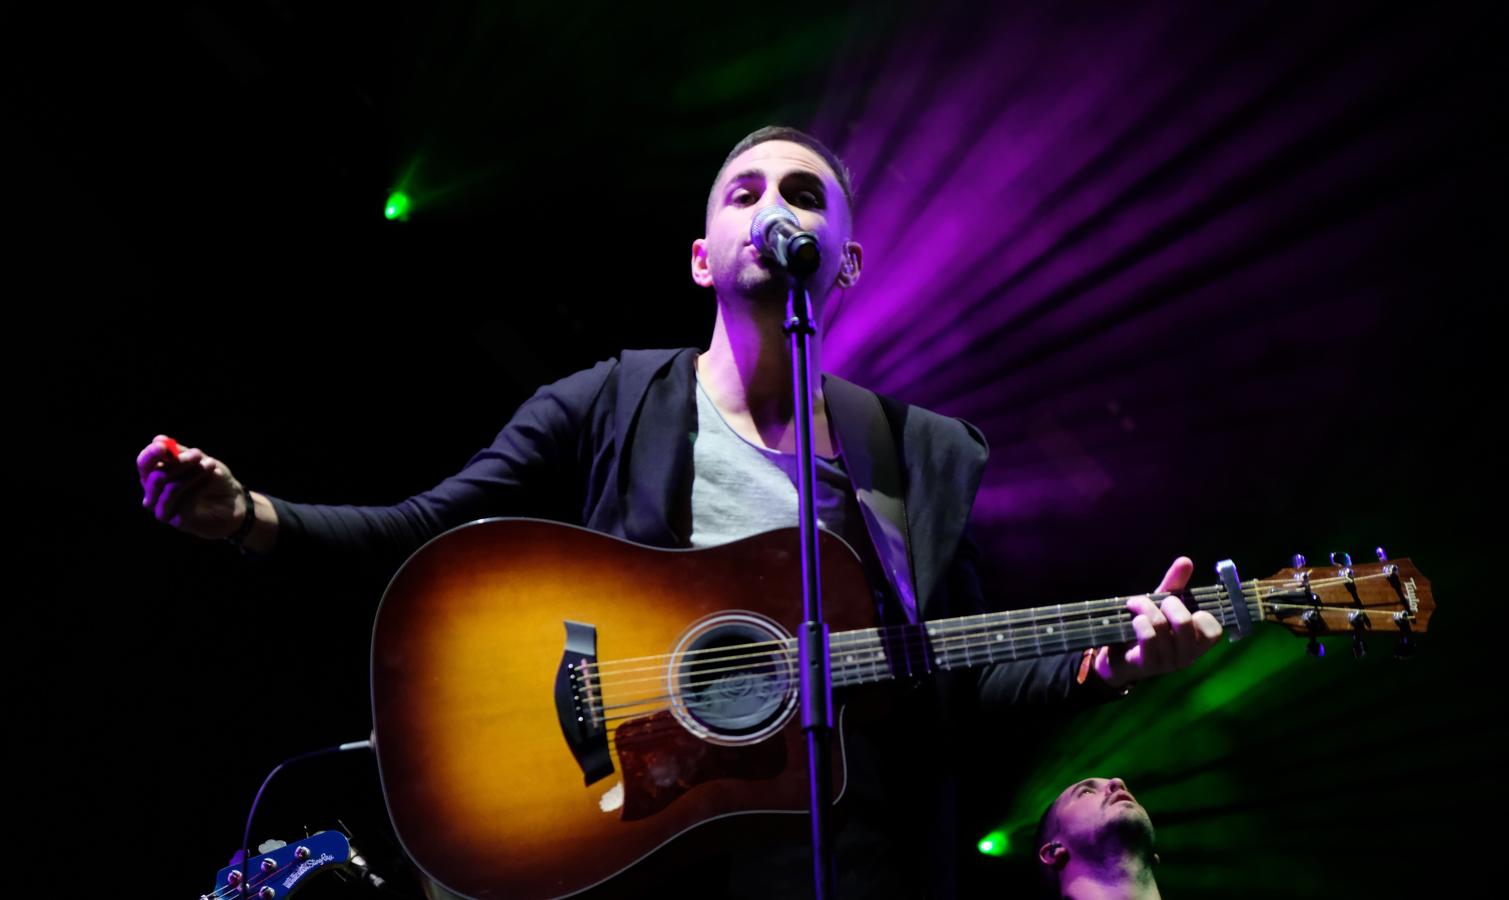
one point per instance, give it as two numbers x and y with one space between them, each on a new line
739 489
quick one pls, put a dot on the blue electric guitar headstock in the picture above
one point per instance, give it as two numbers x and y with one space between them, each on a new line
280 872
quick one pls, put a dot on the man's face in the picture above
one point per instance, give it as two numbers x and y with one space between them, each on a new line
1098 811
775 173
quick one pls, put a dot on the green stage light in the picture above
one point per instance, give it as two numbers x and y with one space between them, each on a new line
398 206
994 844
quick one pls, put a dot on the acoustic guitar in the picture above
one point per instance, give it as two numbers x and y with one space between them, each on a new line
552 705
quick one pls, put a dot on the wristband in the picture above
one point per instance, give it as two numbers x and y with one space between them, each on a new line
238 539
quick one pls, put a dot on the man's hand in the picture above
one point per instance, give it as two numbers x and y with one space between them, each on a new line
190 491
1169 637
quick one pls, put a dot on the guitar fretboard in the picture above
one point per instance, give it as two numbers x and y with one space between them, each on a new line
877 654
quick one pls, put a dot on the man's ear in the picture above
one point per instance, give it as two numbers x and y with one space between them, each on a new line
853 264
1053 854
701 274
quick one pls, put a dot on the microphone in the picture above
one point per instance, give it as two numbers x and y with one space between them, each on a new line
778 236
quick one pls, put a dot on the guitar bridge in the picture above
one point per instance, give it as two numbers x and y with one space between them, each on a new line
578 703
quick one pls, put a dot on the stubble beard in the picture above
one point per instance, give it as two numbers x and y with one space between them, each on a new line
1131 831
758 285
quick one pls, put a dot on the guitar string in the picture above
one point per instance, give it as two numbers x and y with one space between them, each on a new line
965 642
952 635
1117 604
1010 618
964 638
657 730
654 731
970 636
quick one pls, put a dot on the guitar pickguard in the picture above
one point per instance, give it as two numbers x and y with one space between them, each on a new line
661 761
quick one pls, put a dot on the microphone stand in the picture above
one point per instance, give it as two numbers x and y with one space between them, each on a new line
812 638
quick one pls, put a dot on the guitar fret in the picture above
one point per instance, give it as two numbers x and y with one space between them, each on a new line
858 657
964 642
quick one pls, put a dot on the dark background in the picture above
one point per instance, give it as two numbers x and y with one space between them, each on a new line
198 248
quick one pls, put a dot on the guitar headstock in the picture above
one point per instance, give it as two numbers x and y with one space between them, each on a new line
280 872
1343 598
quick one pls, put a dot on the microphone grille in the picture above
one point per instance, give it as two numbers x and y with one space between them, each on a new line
759 227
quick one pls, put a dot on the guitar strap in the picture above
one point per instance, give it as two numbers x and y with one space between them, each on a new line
868 445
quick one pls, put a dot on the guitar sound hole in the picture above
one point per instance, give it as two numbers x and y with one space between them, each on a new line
734 681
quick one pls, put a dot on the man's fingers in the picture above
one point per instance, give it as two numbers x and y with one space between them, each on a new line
1177 576
193 469
1182 633
1143 605
152 457
1175 611
146 458
151 488
176 491
1152 644
1168 636
1207 626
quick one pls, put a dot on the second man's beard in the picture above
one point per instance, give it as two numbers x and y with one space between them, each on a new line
1131 832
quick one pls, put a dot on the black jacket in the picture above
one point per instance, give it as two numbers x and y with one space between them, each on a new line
610 448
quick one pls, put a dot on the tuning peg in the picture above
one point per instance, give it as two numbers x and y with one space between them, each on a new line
1359 646
1341 560
1405 648
1297 560
1315 648
1382 557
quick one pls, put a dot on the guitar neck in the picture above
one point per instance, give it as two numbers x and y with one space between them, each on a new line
1383 596
877 654
867 655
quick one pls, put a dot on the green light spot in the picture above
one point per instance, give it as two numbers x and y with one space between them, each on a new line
994 844
1256 662
398 206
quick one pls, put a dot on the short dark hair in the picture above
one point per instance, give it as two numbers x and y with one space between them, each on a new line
795 136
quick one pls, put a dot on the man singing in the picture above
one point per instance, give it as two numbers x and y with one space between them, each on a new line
694 448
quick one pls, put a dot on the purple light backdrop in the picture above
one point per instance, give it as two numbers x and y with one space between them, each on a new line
1119 243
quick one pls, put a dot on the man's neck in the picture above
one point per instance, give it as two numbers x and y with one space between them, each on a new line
746 371
1127 877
